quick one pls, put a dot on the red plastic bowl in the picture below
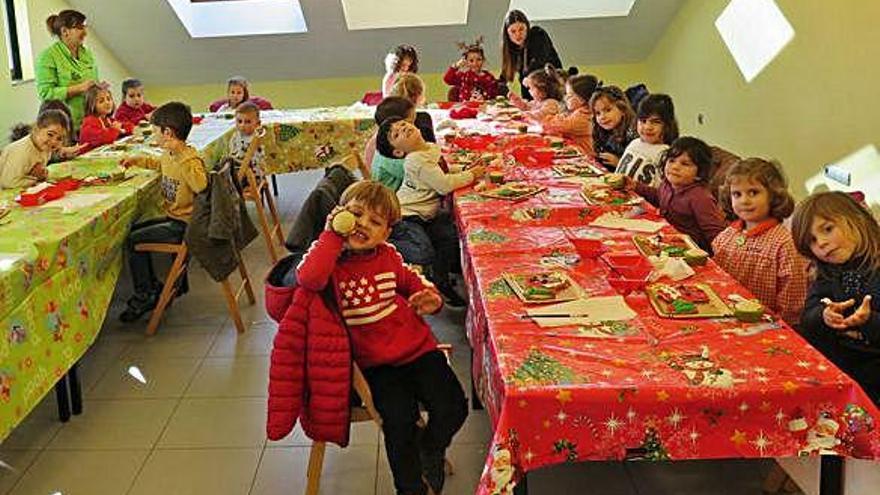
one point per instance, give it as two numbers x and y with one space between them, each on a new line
533 157
626 285
629 265
588 248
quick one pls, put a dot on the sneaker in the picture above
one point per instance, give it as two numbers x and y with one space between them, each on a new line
434 469
451 296
138 305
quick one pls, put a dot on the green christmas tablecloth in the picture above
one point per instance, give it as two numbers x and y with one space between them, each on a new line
58 268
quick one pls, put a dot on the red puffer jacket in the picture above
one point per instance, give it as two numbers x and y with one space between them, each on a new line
310 370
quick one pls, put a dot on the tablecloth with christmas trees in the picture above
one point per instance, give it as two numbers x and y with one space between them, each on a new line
649 388
59 264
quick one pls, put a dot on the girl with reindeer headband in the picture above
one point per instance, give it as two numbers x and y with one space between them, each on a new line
469 81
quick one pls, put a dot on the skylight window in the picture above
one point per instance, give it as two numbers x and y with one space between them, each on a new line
239 18
383 14
543 10
755 32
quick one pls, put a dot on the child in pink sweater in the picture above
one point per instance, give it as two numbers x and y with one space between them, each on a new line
577 123
546 90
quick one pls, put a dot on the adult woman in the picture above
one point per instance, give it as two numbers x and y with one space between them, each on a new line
524 48
67 69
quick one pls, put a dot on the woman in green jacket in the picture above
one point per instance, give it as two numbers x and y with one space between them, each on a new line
67 69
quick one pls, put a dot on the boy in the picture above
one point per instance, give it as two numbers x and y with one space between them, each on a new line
382 301
426 235
183 176
133 108
247 121
389 171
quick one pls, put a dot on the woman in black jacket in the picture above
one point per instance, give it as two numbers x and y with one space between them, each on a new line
525 48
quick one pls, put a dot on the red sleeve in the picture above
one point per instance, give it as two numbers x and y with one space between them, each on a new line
216 104
314 271
452 77
708 215
147 108
127 126
261 102
124 113
649 193
409 281
95 134
488 85
792 279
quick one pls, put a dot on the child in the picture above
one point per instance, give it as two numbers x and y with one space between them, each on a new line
389 171
21 130
546 90
468 79
133 108
411 87
98 127
577 124
657 129
426 235
613 124
841 316
247 121
404 59
183 176
23 162
682 197
757 249
390 341
237 91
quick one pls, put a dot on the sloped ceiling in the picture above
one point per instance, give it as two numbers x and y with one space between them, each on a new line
148 38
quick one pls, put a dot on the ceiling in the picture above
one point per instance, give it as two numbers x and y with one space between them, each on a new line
148 38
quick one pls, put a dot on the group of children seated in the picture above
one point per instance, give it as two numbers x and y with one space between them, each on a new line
405 202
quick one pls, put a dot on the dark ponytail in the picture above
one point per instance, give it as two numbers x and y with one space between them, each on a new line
65 19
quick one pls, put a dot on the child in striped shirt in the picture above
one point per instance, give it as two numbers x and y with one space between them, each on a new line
382 301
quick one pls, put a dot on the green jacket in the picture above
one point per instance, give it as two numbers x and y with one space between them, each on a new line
56 70
388 171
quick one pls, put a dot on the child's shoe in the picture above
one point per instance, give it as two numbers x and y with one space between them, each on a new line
434 469
139 305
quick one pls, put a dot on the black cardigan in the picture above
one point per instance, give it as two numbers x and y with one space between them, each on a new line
539 51
840 283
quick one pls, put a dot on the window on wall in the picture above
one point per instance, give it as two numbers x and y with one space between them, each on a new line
18 40
383 14
543 10
755 32
222 18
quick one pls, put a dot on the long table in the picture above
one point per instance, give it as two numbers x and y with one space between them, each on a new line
649 388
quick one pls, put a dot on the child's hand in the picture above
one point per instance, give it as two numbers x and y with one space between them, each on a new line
148 116
116 125
39 172
862 314
72 151
460 63
478 171
609 159
425 301
833 313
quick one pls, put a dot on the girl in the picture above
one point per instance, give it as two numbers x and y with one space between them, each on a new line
524 49
411 87
237 91
757 249
657 128
682 197
577 124
841 316
546 89
98 127
468 79
23 162
402 60
613 124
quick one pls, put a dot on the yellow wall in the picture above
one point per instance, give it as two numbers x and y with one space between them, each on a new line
344 91
814 104
19 103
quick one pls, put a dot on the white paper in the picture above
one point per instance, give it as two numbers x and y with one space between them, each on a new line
72 203
587 311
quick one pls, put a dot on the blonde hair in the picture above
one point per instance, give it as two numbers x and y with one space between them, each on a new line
842 209
375 196
768 174
409 86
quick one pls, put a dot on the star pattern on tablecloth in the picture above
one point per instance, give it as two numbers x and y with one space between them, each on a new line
738 438
761 442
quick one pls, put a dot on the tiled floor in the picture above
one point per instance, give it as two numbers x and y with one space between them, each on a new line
197 426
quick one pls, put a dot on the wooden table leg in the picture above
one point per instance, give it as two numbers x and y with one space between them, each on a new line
831 475
63 398
76 402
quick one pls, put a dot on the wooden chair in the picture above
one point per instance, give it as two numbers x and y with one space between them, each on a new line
366 411
178 268
257 191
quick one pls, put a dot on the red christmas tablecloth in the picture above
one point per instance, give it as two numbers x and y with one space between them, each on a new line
647 388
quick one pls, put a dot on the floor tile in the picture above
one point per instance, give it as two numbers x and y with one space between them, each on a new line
115 424
37 429
256 341
170 345
217 423
198 472
242 376
467 462
81 472
165 378
346 471
14 464
361 433
477 429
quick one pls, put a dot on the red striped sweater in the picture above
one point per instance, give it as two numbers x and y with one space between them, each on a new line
371 292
